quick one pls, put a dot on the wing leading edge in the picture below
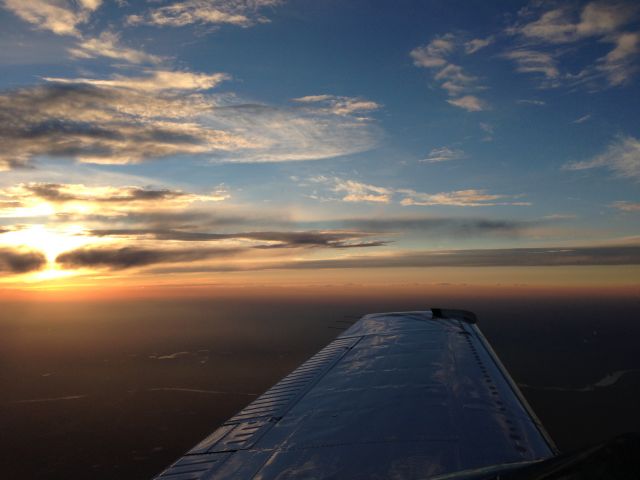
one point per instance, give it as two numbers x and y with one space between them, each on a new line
398 395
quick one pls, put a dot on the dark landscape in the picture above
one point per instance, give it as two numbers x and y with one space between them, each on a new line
121 389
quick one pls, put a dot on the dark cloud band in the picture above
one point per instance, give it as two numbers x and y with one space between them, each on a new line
20 261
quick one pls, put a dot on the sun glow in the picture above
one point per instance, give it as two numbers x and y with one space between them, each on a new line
51 241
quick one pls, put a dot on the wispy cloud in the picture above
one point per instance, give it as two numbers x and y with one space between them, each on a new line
440 226
582 119
339 105
473 258
627 206
565 24
61 17
266 240
154 81
536 103
622 157
122 119
108 45
521 257
362 192
472 46
451 77
533 61
242 13
458 198
619 64
351 190
434 53
26 199
470 103
444 154
601 21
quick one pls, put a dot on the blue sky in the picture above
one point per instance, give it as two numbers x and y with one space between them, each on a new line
455 126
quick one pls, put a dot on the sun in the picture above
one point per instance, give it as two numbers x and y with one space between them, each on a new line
51 241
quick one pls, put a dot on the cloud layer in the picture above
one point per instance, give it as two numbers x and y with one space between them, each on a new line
124 119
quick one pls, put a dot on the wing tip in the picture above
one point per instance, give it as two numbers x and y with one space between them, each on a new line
463 315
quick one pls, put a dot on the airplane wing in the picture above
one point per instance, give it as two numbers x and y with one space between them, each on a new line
410 395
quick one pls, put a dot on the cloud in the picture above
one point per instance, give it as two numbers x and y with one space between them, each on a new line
277 239
192 219
362 192
156 81
293 134
102 197
472 46
123 120
119 258
108 45
61 17
444 154
242 13
454 79
17 260
536 103
563 25
459 198
582 119
532 61
508 257
601 21
340 105
470 103
618 65
476 258
622 157
440 226
434 53
101 125
627 206
451 77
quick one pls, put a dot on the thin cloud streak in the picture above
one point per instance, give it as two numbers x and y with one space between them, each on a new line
279 239
459 198
120 258
444 154
362 192
626 206
474 258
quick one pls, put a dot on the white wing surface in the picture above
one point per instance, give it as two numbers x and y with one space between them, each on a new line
409 395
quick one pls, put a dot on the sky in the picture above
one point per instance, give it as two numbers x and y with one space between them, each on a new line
209 143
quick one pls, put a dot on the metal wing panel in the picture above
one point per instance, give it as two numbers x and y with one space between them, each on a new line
406 395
